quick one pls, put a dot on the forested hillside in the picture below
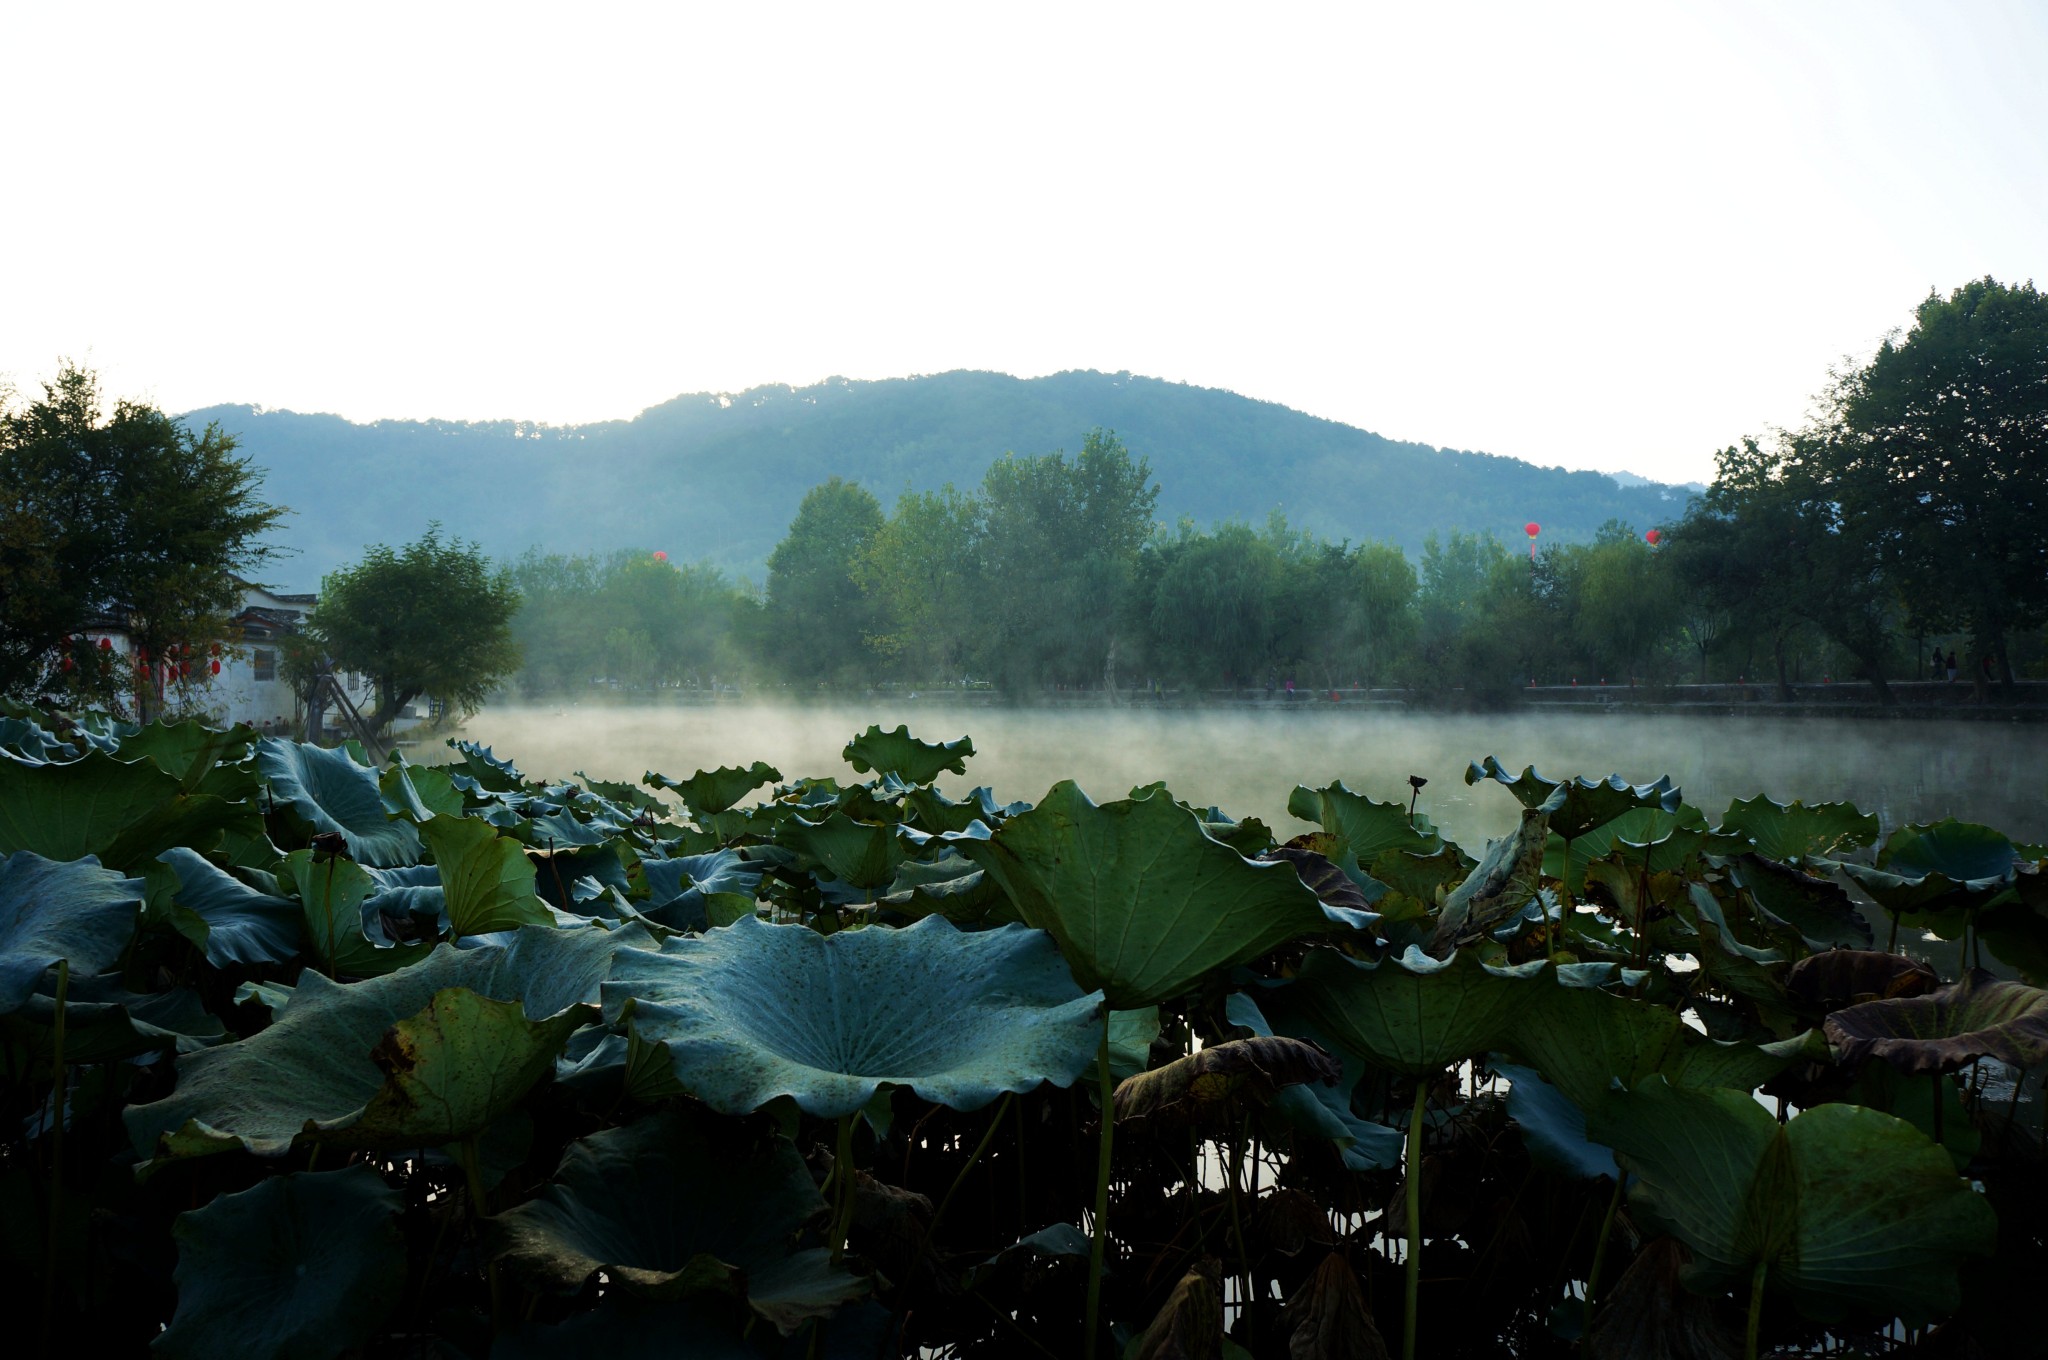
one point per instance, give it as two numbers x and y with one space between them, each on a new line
719 477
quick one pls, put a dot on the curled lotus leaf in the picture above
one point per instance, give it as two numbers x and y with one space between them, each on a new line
123 814
696 892
51 912
237 924
330 792
313 1065
486 879
753 1011
1328 1316
1576 806
1649 1314
1331 885
1838 978
1218 1075
1942 1031
862 854
1818 908
1847 1210
899 753
1793 832
1189 1325
304 1266
1142 901
1364 827
1499 888
1939 866
666 1211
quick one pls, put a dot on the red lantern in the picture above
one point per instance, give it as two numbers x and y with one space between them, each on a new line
216 667
1532 529
1652 537
69 664
106 644
661 557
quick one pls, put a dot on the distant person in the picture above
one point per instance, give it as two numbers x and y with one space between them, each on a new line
1953 670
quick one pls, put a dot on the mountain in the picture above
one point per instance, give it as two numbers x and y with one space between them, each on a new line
719 476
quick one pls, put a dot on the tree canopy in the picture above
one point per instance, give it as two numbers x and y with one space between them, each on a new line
432 618
125 518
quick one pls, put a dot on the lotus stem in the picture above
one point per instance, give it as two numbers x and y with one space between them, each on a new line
1095 1249
473 1177
1756 1309
1891 944
1412 1168
842 1184
1600 1247
932 1229
57 1093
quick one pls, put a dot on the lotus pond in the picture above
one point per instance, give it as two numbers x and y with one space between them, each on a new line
310 1057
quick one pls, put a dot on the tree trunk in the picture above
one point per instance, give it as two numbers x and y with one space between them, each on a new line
1109 674
1778 655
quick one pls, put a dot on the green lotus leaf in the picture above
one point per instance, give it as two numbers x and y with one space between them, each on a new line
899 753
1317 1109
1663 838
331 792
1142 902
689 892
637 1204
1817 908
1414 1015
1700 927
938 814
52 911
420 792
712 791
238 924
104 1022
1945 1030
1576 806
858 853
1367 829
1847 1209
123 814
486 879
28 741
333 895
489 771
1789 833
1945 865
1554 1126
1837 978
299 1267
312 1066
752 1011
951 886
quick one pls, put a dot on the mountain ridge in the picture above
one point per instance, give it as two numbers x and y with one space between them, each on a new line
718 475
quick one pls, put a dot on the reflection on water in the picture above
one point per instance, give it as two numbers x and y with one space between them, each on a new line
1246 761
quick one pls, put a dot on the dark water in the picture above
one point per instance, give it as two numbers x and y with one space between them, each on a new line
1246 761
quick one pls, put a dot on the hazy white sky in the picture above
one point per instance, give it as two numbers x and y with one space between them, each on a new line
1615 237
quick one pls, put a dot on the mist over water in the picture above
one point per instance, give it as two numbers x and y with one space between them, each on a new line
1246 761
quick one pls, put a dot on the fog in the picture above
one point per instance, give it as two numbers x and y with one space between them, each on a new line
1246 761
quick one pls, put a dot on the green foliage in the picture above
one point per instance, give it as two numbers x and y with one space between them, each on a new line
803 1087
816 617
431 618
128 516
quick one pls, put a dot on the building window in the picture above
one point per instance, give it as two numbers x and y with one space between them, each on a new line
265 662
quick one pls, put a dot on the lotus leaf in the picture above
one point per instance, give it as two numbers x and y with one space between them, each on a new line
1847 1209
191 752
27 741
752 1011
1789 833
486 879
1553 1126
1649 837
1367 829
1323 1111
237 923
858 853
1843 977
1815 907
712 791
51 912
637 1203
1142 902
1328 1318
420 792
951 886
299 1267
1576 806
313 1066
1414 1015
333 896
696 892
899 753
1651 1315
331 792
105 1022
1499 887
1331 885
125 815
1942 1031
1197 1086
1946 864
487 768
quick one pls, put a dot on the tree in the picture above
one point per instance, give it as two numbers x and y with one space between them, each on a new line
127 518
920 572
818 620
1937 453
430 619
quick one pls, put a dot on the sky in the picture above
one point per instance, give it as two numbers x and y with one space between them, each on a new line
1616 237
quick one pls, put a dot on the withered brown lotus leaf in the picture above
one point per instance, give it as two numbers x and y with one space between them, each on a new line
1979 1017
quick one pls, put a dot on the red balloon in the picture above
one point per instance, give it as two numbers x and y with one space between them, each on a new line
1652 537
1532 529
